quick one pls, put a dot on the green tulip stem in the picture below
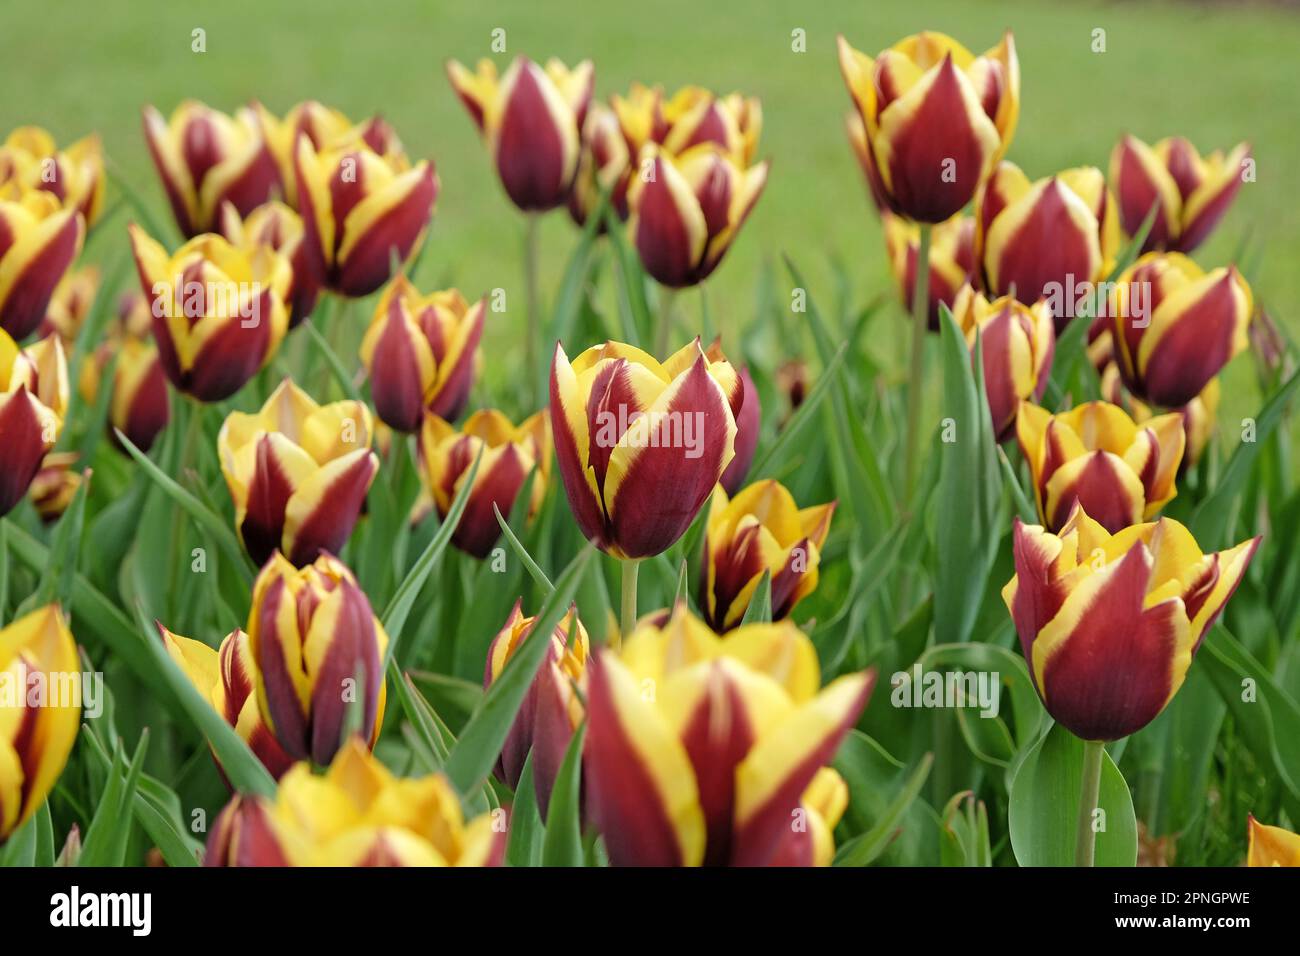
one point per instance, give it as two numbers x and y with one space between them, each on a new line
627 617
532 243
1085 843
920 320
663 333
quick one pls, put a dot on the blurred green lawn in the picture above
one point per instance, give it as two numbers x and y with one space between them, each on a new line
1217 73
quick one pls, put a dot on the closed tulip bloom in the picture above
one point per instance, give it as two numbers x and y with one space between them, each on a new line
356 814
421 352
640 443
1017 343
1272 846
362 210
33 403
55 485
140 406
1046 239
1175 326
760 530
934 119
531 120
39 240
551 710
1109 623
298 473
1190 192
510 452
604 165
748 425
685 210
227 679
952 260
31 159
702 749
275 225
1097 457
319 650
70 304
207 158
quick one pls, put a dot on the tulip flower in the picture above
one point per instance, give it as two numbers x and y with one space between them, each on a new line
207 158
140 406
701 750
318 649
275 225
1176 326
362 211
33 403
641 443
748 424
218 310
552 710
1109 623
531 120
1053 238
298 473
31 160
1190 192
36 731
227 679
510 452
1272 846
1096 457
55 485
70 304
40 241
357 814
1017 343
686 209
691 116
952 260
761 529
604 164
421 352
934 120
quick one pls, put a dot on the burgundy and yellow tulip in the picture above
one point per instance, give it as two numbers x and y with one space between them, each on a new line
218 310
318 649
140 406
363 211
1175 326
1045 239
55 485
702 750
932 121
70 304
531 120
551 710
952 260
421 352
275 225
640 443
1017 343
39 239
227 679
36 732
1190 192
1097 457
298 473
691 116
760 529
604 165
1272 846
33 403
1109 623
322 126
749 422
356 814
207 158
32 160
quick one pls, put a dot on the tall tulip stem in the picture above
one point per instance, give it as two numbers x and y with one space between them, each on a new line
531 250
667 297
920 319
1085 843
627 615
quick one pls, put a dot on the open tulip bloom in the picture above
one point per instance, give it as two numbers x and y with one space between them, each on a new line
31 159
39 240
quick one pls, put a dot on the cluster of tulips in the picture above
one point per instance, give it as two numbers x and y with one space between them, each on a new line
704 735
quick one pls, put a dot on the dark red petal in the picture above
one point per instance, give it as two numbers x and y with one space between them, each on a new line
22 447
395 386
284 712
330 525
392 235
29 294
268 495
1194 349
662 239
478 530
749 422
530 150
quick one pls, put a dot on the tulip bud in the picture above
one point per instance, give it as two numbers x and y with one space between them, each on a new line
761 529
531 120
1109 622
70 304
952 260
40 715
1017 343
31 160
1175 327
604 164
1096 457
206 158
298 473
552 710
792 380
641 443
41 240
275 225
421 352
1189 192
140 406
748 424
33 402
822 806
244 834
318 649
1272 846
55 485
700 749
932 120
